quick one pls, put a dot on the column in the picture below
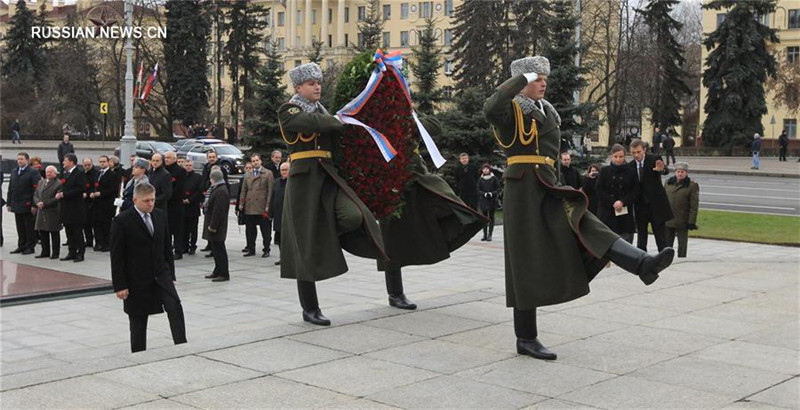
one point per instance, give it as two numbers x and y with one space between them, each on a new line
340 25
324 23
290 23
307 31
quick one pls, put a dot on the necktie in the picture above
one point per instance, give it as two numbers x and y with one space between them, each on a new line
639 168
149 223
255 173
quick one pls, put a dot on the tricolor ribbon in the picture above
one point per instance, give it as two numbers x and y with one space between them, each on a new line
384 62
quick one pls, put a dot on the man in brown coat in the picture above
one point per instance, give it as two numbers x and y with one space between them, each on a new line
215 229
256 190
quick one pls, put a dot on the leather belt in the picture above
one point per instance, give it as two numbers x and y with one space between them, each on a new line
531 159
315 153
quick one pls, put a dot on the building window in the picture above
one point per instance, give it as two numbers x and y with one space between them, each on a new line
763 19
281 17
346 40
313 17
425 9
448 66
448 92
387 11
448 37
268 18
792 54
386 38
361 39
404 11
330 16
404 38
448 7
298 63
362 13
281 44
299 18
794 18
720 18
791 128
330 41
347 14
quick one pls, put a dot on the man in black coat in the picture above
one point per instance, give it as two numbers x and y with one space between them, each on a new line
569 175
24 180
783 142
212 159
65 148
193 197
175 203
274 165
652 205
276 204
161 179
106 190
91 178
72 207
467 181
142 269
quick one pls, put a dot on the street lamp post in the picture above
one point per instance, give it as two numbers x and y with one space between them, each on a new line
128 141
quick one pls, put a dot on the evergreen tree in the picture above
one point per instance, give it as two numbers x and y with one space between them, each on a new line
315 55
25 56
245 25
371 29
670 80
565 78
474 37
426 69
186 53
263 132
736 68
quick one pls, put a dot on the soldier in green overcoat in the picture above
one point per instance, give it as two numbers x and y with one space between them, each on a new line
321 215
553 247
433 223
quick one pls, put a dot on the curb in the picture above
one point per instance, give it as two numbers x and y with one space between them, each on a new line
745 173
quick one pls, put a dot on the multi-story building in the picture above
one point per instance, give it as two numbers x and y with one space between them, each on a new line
786 20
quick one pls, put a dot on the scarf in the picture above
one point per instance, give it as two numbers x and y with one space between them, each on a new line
307 105
208 194
487 177
528 105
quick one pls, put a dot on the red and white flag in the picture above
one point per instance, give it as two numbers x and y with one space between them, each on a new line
138 82
151 81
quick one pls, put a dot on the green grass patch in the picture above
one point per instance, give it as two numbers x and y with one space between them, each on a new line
742 227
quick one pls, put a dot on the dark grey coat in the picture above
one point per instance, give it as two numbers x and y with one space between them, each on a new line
47 218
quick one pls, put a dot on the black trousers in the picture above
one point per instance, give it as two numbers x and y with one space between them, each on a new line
307 292
102 232
525 324
75 239
644 217
252 224
683 240
177 324
488 230
88 235
782 154
26 237
190 232
220 259
394 281
50 239
175 221
670 153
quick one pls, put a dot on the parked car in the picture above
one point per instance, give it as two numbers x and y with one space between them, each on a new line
146 149
193 141
230 157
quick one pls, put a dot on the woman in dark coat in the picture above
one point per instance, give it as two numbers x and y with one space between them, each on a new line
48 220
488 189
589 186
215 225
617 188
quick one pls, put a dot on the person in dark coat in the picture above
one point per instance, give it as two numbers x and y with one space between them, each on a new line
274 165
15 133
276 204
684 198
651 206
72 206
783 142
669 147
91 178
322 215
617 188
21 187
160 178
589 187
193 198
215 225
658 139
106 190
138 176
569 176
553 247
142 270
211 160
65 148
488 190
467 181
48 220
175 208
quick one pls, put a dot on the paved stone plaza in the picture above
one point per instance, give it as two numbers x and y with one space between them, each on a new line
718 330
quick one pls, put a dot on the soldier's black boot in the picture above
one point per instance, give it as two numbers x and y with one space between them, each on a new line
639 262
527 341
307 291
394 287
485 234
491 231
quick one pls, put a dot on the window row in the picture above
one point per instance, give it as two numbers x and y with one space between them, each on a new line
423 9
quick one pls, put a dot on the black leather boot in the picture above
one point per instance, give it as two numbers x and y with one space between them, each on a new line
491 231
639 262
535 349
307 292
394 287
527 336
485 234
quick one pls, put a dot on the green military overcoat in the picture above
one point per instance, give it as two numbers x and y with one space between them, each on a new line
684 198
553 247
311 247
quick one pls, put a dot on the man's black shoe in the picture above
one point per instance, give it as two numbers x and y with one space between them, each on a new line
28 251
265 254
221 279
278 262
78 259
316 317
177 257
401 302
18 250
211 276
535 349
250 253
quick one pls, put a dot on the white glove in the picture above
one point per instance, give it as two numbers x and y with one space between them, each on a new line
531 77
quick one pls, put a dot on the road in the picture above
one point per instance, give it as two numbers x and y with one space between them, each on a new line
763 195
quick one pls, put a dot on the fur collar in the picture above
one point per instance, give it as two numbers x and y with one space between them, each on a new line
307 105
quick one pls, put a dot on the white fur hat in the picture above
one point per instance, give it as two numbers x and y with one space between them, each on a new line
536 64
305 72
